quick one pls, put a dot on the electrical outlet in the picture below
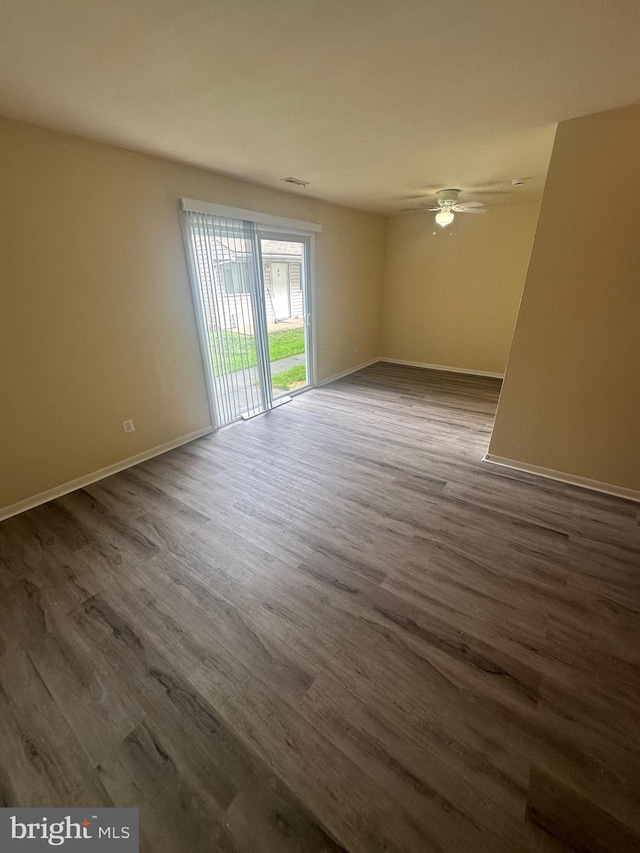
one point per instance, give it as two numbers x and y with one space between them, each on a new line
324 349
128 426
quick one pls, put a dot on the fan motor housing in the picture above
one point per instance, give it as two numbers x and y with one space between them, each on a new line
448 197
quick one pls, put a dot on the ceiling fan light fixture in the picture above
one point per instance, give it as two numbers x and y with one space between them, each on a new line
444 217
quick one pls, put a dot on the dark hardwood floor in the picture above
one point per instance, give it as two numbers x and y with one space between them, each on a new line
331 628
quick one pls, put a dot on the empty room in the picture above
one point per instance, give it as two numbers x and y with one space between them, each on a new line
319 426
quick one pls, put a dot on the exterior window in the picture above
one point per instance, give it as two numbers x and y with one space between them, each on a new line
235 278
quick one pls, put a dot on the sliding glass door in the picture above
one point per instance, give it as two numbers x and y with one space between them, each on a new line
285 266
251 290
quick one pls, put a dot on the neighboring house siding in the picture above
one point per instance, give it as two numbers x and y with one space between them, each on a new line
266 272
297 307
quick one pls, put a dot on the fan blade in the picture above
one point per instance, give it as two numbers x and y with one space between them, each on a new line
465 205
491 186
478 210
419 209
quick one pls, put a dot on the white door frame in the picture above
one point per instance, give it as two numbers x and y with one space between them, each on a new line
307 279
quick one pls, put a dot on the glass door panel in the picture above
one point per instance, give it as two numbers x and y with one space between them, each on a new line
285 264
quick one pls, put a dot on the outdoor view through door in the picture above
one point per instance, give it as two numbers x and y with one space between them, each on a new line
252 294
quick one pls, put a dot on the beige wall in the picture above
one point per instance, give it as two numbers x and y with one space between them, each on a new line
453 300
96 321
571 397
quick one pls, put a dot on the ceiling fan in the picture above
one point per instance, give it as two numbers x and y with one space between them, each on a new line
448 206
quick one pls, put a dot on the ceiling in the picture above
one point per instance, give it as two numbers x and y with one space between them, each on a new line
371 101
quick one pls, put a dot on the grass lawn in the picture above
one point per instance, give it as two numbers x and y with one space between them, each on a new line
237 352
285 343
293 377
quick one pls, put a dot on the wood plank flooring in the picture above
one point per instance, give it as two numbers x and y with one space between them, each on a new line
331 628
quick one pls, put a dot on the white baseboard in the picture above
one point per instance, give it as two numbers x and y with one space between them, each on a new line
443 367
347 372
424 366
80 482
572 479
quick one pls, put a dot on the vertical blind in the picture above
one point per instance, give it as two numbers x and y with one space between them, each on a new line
226 265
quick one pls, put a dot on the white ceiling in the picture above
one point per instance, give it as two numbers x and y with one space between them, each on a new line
372 101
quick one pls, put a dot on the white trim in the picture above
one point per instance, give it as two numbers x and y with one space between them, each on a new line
412 364
80 482
348 371
290 225
561 476
443 367
312 293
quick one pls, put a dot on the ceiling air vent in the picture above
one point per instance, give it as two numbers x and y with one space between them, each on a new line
296 181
